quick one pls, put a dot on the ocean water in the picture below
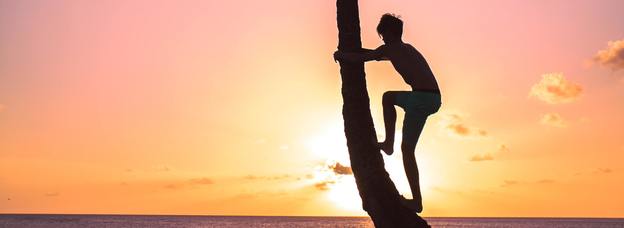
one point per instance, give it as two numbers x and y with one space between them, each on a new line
157 221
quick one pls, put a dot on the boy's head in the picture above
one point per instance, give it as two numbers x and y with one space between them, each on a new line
390 27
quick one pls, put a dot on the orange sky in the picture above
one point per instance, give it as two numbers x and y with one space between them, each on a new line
234 107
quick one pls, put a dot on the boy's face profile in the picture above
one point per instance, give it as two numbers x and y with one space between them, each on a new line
383 38
387 37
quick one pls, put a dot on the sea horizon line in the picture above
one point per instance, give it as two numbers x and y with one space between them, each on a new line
303 216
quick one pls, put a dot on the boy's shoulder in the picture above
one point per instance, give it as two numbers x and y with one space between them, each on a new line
408 46
399 46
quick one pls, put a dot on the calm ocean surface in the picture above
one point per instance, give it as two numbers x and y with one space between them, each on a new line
74 221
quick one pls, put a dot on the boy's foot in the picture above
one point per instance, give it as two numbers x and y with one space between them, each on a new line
386 147
414 205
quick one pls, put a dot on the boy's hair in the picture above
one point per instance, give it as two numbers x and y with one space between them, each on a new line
390 23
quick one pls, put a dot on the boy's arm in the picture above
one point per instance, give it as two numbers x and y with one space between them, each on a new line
375 54
363 55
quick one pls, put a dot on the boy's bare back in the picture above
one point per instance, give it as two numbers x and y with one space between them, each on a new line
410 64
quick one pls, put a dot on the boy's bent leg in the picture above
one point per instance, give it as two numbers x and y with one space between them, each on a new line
389 113
412 127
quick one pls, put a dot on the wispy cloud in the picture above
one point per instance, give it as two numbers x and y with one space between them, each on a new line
190 183
272 178
324 185
603 170
341 169
485 157
173 186
508 183
554 120
546 181
201 181
331 173
596 171
260 141
555 89
502 148
612 57
260 194
454 125
51 194
161 168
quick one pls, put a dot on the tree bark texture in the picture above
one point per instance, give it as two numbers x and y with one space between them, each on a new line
380 198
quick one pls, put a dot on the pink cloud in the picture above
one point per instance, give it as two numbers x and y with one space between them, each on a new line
502 148
613 56
555 89
553 119
454 125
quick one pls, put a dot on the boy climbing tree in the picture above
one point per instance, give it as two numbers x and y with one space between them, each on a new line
423 100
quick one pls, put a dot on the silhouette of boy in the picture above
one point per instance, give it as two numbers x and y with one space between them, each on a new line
418 104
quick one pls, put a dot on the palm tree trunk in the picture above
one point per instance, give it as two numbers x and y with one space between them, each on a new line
380 197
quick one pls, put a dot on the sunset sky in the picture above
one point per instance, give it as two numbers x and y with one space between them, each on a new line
234 107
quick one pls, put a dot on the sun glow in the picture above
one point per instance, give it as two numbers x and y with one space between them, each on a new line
345 194
329 145
330 148
338 188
